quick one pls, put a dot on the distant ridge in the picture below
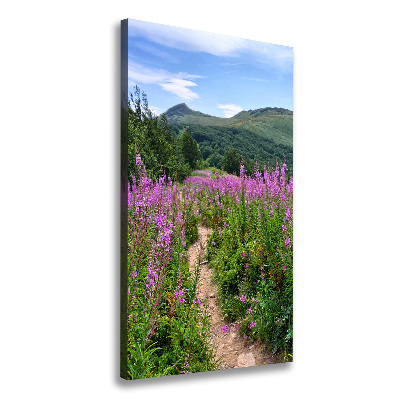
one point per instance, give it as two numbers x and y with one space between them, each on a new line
182 114
262 111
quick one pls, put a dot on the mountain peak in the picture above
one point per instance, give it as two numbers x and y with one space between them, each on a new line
179 110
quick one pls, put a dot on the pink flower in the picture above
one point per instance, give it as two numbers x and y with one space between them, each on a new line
253 324
243 298
284 268
179 294
225 329
134 274
250 311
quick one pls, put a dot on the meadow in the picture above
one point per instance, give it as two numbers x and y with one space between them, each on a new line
250 251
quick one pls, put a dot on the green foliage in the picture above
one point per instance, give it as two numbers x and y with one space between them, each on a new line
215 160
180 339
231 161
157 143
216 140
191 231
189 149
274 314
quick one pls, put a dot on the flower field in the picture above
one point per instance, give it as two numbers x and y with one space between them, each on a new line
250 252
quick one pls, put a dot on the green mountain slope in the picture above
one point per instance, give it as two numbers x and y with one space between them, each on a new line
278 128
264 135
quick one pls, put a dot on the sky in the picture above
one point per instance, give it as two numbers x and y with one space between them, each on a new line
215 74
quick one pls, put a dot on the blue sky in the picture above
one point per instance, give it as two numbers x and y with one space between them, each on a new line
215 74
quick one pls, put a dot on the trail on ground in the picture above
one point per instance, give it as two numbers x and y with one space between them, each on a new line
233 349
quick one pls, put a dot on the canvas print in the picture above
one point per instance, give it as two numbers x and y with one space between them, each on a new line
206 202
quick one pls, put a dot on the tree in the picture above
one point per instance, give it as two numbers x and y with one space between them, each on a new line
231 161
189 148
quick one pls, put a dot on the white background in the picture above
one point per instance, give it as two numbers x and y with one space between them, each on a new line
59 215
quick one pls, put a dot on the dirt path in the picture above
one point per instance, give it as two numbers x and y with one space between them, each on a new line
234 349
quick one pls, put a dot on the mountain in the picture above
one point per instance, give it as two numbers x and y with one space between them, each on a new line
180 111
182 114
264 135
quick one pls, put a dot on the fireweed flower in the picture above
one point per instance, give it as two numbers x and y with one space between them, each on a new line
284 228
287 242
243 254
250 311
288 215
253 324
225 329
284 268
152 276
243 298
134 274
179 294
247 266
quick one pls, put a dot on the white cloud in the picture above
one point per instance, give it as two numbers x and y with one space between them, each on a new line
180 88
230 109
178 84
